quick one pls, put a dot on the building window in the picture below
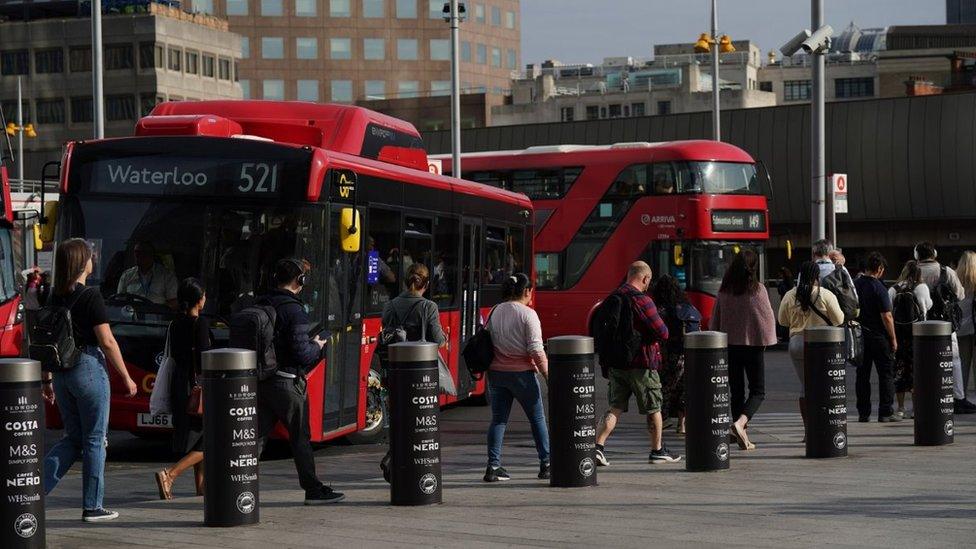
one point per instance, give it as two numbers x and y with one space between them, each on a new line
272 47
208 66
512 60
406 9
479 13
482 54
80 59
203 6
340 48
373 8
496 16
306 48
408 88
237 7
147 101
509 19
175 59
637 109
245 47
440 87
120 107
273 89
663 107
592 112
407 49
271 8
50 111
796 90
615 111
567 114
223 68
765 86
308 90
306 8
854 87
342 91
375 89
374 49
145 55
339 8
81 109
440 49
466 52
192 62
237 71
14 62
435 9
118 57
496 57
49 61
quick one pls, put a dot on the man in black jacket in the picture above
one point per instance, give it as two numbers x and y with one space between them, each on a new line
283 396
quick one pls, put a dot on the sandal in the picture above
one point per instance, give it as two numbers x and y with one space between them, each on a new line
165 484
741 438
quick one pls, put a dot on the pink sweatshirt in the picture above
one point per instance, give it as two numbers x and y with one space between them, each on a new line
516 334
747 319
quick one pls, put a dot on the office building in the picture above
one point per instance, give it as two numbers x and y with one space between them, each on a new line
960 12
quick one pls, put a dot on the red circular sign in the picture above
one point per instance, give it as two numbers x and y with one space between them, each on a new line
841 184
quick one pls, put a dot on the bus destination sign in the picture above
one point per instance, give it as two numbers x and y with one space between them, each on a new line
154 175
738 221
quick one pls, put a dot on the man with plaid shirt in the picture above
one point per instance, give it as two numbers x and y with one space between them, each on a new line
640 377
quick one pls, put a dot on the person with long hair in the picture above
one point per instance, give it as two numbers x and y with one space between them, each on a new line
966 271
189 336
681 317
802 307
743 311
82 391
516 335
909 288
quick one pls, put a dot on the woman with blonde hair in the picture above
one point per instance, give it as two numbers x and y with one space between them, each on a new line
966 271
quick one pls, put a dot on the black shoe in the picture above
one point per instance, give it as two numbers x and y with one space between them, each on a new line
889 419
545 470
98 515
601 459
496 474
663 455
863 419
963 407
324 496
385 467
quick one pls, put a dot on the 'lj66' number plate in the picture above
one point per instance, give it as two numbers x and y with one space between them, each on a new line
158 420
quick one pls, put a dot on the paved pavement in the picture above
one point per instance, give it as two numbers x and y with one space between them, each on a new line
887 493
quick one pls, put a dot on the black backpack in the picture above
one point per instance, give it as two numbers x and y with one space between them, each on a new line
51 334
255 327
614 338
945 303
684 319
479 351
905 306
396 332
843 288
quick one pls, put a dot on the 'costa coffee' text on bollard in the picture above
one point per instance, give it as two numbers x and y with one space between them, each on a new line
932 395
825 385
415 442
572 411
22 438
230 444
707 416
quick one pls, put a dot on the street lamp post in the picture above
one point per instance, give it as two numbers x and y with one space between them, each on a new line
454 14
98 100
19 128
714 44
818 163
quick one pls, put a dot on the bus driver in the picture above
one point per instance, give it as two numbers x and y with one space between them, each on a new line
149 278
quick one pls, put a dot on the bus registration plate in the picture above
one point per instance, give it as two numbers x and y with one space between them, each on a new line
158 420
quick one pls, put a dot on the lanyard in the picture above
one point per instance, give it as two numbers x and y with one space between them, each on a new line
146 285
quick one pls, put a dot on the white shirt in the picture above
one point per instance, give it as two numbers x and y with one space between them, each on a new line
921 294
159 286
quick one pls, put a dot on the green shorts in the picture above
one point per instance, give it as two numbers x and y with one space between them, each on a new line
645 385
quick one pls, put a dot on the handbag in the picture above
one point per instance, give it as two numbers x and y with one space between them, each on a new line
479 351
160 400
853 338
194 406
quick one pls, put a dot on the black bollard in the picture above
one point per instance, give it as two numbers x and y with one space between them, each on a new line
572 411
414 437
706 389
932 393
230 444
22 437
825 383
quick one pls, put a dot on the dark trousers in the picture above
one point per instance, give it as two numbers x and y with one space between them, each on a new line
877 352
282 399
746 364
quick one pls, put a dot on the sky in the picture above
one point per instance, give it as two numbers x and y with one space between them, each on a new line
586 31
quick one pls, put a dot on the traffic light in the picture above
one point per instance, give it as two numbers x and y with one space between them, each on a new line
11 128
29 130
704 43
725 44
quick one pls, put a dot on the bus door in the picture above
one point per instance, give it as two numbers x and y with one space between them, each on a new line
343 326
471 244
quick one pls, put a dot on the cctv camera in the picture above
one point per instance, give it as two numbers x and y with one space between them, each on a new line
793 46
819 40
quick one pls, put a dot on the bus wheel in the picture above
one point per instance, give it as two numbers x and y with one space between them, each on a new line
375 413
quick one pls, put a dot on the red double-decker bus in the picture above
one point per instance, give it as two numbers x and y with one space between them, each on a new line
685 207
11 305
224 189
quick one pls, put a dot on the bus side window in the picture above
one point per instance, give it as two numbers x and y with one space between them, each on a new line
443 272
383 257
495 256
515 253
663 179
417 242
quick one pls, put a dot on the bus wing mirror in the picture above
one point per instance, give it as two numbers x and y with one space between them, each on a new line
789 249
45 175
49 221
679 255
349 230
38 242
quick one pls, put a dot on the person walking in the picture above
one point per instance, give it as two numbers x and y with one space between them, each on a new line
283 397
966 271
681 317
803 307
910 301
880 343
189 336
640 377
82 391
743 311
516 336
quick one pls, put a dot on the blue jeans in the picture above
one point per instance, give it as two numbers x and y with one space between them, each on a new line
82 395
503 388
